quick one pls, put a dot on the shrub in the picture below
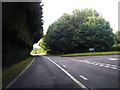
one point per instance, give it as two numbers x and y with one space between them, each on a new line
115 47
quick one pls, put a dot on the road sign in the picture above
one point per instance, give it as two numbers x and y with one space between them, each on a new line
91 49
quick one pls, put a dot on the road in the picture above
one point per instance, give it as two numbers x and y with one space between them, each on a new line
70 72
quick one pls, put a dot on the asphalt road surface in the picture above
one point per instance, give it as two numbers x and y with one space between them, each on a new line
70 72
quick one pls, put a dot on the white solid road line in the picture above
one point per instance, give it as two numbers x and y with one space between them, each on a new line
20 74
83 77
67 73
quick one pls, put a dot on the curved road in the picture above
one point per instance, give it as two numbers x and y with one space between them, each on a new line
86 72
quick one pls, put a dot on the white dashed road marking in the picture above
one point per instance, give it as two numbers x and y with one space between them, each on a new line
68 74
114 68
98 63
83 77
64 66
113 59
101 65
106 66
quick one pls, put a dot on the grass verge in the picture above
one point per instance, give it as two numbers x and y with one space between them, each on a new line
11 72
91 53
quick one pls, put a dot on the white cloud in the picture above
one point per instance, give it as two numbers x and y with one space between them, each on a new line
53 9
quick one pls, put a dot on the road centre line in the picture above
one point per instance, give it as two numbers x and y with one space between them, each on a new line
83 77
64 66
68 74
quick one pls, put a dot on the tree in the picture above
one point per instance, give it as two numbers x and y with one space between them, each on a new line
21 28
78 32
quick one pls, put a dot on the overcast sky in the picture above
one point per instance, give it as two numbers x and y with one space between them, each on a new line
53 9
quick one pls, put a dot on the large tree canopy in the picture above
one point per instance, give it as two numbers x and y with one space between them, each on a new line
78 32
22 27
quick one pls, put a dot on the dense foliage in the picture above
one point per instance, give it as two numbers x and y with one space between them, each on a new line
78 32
117 34
22 26
115 47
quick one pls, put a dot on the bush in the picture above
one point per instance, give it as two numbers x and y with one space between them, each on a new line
115 47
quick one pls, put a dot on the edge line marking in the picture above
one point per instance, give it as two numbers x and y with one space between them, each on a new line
20 74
